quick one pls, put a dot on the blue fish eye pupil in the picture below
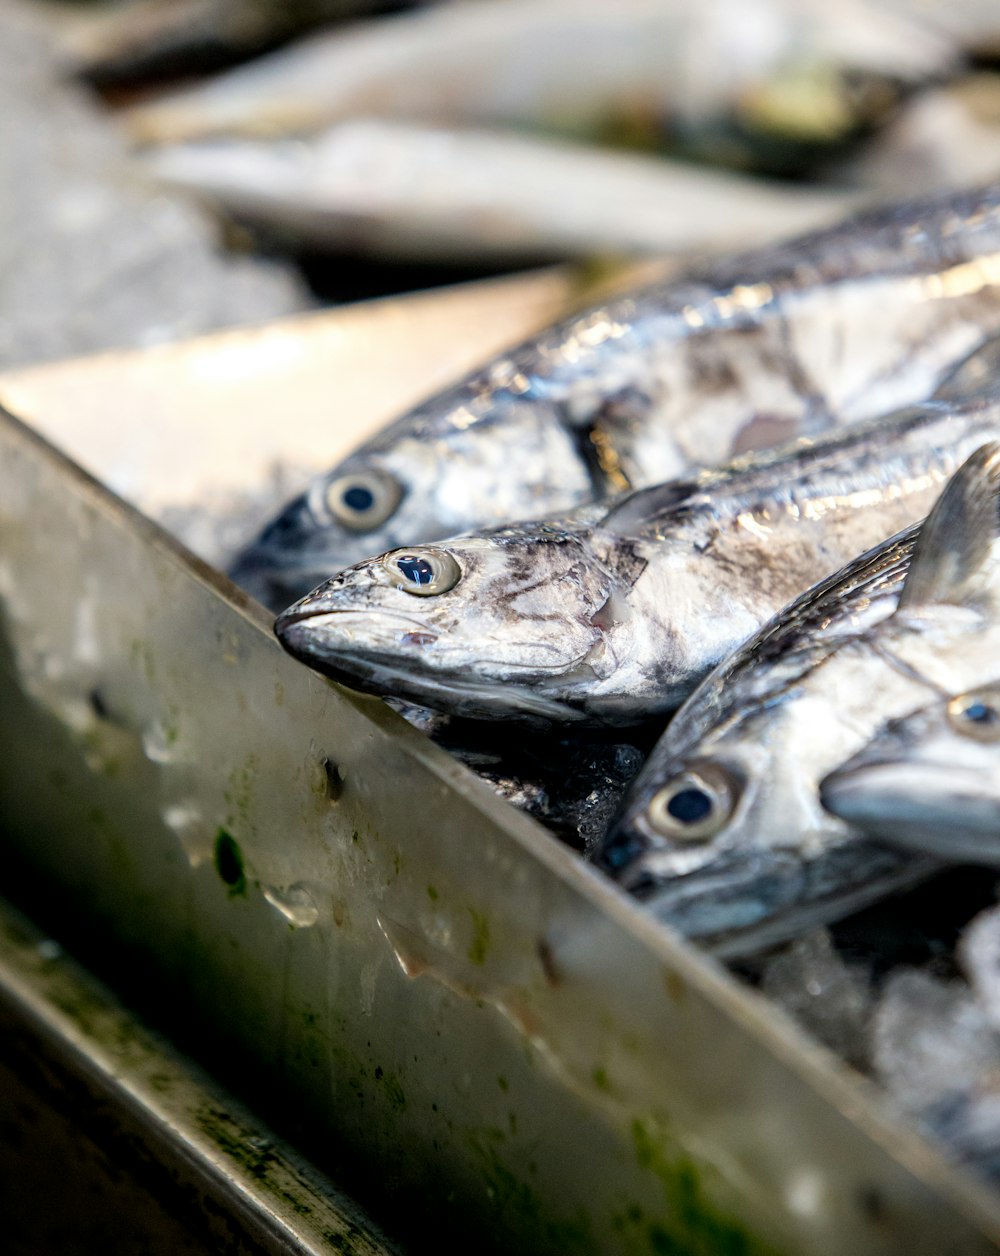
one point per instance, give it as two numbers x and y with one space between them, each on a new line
690 806
357 497
980 713
417 570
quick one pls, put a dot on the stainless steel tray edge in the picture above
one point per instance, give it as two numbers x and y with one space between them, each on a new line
444 986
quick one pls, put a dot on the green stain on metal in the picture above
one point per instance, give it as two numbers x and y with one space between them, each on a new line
480 937
391 1088
432 894
140 654
229 863
692 1225
239 794
254 1155
601 1080
519 1207
349 1241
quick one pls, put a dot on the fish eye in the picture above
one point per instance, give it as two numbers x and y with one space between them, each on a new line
425 571
692 807
364 500
973 717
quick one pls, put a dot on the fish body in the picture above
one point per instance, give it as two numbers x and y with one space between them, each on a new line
610 616
152 39
402 191
799 76
948 137
723 834
930 781
788 340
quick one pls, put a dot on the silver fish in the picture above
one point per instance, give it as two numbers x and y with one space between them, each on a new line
930 781
723 835
407 192
948 137
800 75
612 615
151 39
838 326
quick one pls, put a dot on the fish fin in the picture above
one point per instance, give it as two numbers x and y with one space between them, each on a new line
641 510
953 561
975 375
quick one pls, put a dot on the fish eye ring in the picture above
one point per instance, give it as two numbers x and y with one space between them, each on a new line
692 807
424 571
973 716
363 500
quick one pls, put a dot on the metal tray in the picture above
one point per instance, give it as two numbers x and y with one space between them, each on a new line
417 976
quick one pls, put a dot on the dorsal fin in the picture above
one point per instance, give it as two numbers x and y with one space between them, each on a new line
642 509
953 561
977 374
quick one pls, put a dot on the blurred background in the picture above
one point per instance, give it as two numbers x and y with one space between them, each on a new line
172 166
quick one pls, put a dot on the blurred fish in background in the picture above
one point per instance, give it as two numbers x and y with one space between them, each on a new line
163 39
397 190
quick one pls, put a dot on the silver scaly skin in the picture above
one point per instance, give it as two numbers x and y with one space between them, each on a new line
723 835
930 781
611 616
832 328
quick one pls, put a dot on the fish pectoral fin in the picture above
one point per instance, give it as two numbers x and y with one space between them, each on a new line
973 375
643 510
953 561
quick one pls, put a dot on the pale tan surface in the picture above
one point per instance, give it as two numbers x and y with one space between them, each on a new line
216 414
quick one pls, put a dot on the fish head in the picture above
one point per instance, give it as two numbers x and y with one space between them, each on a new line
422 479
343 516
491 626
929 781
705 838
722 834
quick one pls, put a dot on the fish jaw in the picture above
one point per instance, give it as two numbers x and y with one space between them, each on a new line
930 807
924 786
742 899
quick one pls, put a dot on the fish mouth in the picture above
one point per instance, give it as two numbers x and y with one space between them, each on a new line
933 806
300 631
379 669
742 901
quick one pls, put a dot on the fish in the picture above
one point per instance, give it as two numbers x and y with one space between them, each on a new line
945 137
743 353
153 39
404 192
930 781
611 615
973 24
800 75
723 836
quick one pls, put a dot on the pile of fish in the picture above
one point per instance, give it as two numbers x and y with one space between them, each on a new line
659 576
489 132
610 539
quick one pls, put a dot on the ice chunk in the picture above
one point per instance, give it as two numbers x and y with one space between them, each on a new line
828 997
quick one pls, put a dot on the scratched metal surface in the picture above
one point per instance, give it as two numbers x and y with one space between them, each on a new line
426 977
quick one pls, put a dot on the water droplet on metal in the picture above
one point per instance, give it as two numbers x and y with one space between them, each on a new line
159 743
295 903
185 820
